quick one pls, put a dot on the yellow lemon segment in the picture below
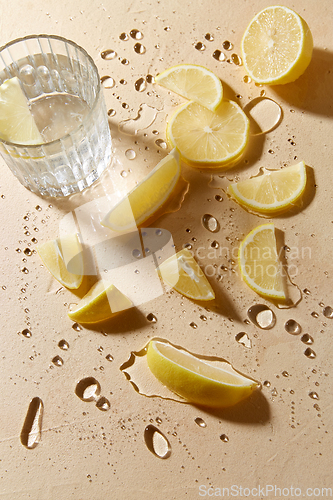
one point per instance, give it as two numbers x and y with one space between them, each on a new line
207 138
259 263
193 82
99 304
147 197
273 192
182 272
63 258
16 121
195 379
276 46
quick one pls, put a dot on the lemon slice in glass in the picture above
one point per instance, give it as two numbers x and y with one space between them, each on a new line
147 197
16 121
273 192
207 138
193 82
64 259
259 263
276 46
183 273
195 379
102 302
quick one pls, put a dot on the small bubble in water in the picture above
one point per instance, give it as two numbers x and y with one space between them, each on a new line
124 36
130 154
307 339
139 48
58 361
291 326
111 112
27 251
63 344
200 422
210 223
309 353
108 82
262 316
227 45
200 46
136 34
156 442
109 357
328 312
224 438
108 54
140 85
219 56
103 404
313 395
151 317
26 333
161 143
77 327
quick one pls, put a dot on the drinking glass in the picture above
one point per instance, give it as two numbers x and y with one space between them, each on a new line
62 86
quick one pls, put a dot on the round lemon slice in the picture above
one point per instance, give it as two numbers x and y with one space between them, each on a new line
183 273
277 46
64 259
273 192
193 82
207 138
197 380
147 197
102 302
16 121
259 263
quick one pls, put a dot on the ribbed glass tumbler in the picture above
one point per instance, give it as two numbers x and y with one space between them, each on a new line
61 84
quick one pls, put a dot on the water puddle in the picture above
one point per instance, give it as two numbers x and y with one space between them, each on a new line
156 442
144 118
32 428
264 115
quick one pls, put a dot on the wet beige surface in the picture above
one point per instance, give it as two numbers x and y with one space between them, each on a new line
280 439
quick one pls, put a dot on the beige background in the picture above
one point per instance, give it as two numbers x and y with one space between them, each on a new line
277 438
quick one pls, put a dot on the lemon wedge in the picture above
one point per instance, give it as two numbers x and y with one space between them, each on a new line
193 82
99 304
182 272
207 138
259 263
277 46
195 379
63 258
16 121
147 197
273 192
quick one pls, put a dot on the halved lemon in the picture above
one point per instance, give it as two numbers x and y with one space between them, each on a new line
183 273
64 259
195 379
259 262
277 46
207 138
272 192
103 301
193 82
16 121
147 197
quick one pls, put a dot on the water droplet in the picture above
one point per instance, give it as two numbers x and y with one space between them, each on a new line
307 339
313 395
167 28
107 82
314 314
88 389
156 442
158 420
123 173
130 154
215 244
151 317
25 270
103 404
193 325
247 79
161 143
274 392
137 253
136 34
236 59
309 353
58 361
124 36
285 373
111 112
139 48
125 62
200 422
32 428
140 85
328 312
266 383
210 223
109 357
262 316
227 45
125 105
200 46
26 333
209 37
77 327
219 56
243 338
27 251
38 208
108 54
203 317
123 82
291 326
224 438
218 198
63 344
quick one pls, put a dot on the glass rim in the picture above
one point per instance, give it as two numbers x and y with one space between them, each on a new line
91 110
